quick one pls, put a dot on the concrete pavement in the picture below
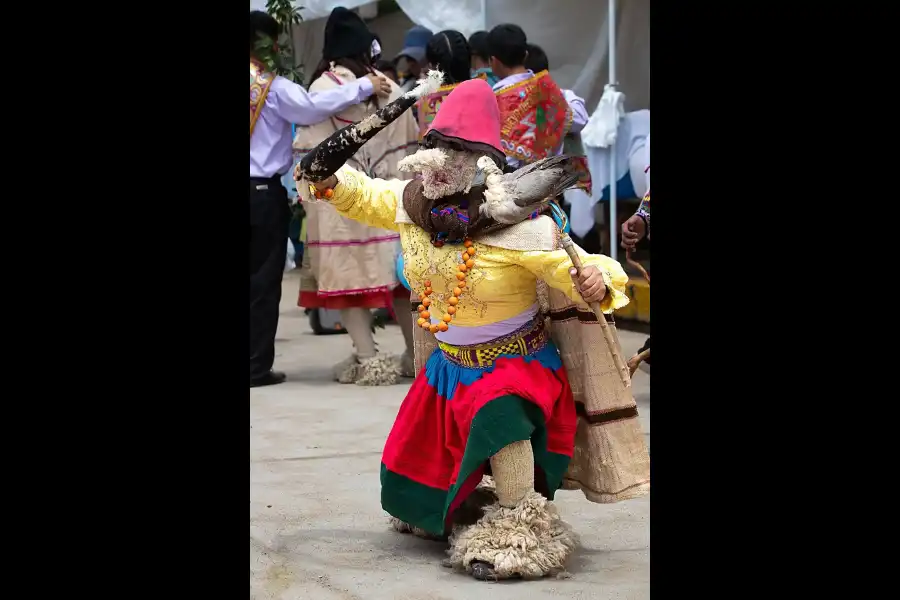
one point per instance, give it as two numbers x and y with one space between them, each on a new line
317 530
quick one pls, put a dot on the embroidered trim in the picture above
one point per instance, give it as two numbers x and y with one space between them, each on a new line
530 124
260 84
374 240
525 341
380 288
643 210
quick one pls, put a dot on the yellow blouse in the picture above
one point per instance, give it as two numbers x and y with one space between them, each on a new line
501 285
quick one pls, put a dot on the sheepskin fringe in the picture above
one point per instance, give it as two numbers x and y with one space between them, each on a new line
528 541
429 84
347 370
382 369
404 527
425 158
471 510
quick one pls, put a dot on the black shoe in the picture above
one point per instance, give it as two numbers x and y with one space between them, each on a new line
483 571
270 378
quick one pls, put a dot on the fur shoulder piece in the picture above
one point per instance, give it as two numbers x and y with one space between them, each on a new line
533 234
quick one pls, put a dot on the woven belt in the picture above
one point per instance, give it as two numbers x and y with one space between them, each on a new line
526 340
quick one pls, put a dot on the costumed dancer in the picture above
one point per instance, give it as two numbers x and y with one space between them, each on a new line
536 61
276 103
536 115
481 58
349 266
494 393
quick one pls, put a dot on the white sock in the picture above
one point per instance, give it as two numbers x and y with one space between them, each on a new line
358 323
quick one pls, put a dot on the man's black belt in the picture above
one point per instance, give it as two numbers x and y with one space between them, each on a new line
272 179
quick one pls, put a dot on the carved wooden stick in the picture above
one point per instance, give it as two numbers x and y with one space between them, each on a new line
567 243
635 361
637 266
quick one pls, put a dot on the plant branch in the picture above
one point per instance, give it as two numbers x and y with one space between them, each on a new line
278 55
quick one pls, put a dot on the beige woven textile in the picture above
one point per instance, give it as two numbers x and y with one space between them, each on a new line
611 461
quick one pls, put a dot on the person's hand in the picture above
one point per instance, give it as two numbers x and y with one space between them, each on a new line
380 84
589 284
633 231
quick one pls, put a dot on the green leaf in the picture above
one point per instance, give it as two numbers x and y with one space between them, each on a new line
281 62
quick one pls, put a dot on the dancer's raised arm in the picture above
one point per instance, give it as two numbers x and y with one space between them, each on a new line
362 198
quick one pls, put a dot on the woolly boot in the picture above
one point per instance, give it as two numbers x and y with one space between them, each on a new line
473 507
404 527
529 541
378 370
467 514
347 371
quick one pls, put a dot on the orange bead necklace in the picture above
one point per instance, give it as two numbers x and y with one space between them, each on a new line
327 193
424 315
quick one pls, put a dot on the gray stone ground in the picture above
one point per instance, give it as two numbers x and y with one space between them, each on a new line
317 530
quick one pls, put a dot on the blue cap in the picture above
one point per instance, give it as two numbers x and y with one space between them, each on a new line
414 43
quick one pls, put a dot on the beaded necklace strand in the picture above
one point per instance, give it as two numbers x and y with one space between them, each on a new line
464 267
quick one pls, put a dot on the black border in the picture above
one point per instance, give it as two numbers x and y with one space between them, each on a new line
160 292
749 336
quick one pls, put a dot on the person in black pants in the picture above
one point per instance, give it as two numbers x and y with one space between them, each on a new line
270 215
275 104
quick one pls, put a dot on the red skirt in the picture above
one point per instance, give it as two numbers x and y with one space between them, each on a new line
455 418
370 299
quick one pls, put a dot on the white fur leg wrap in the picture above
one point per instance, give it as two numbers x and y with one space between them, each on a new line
529 540
404 527
513 469
381 369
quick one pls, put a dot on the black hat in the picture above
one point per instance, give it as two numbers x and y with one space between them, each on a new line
346 35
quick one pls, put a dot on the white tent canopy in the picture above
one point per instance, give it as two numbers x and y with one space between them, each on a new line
573 33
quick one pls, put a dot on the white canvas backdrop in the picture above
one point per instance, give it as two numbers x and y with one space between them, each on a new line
573 33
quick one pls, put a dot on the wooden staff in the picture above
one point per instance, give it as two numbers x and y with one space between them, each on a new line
635 361
567 243
637 266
